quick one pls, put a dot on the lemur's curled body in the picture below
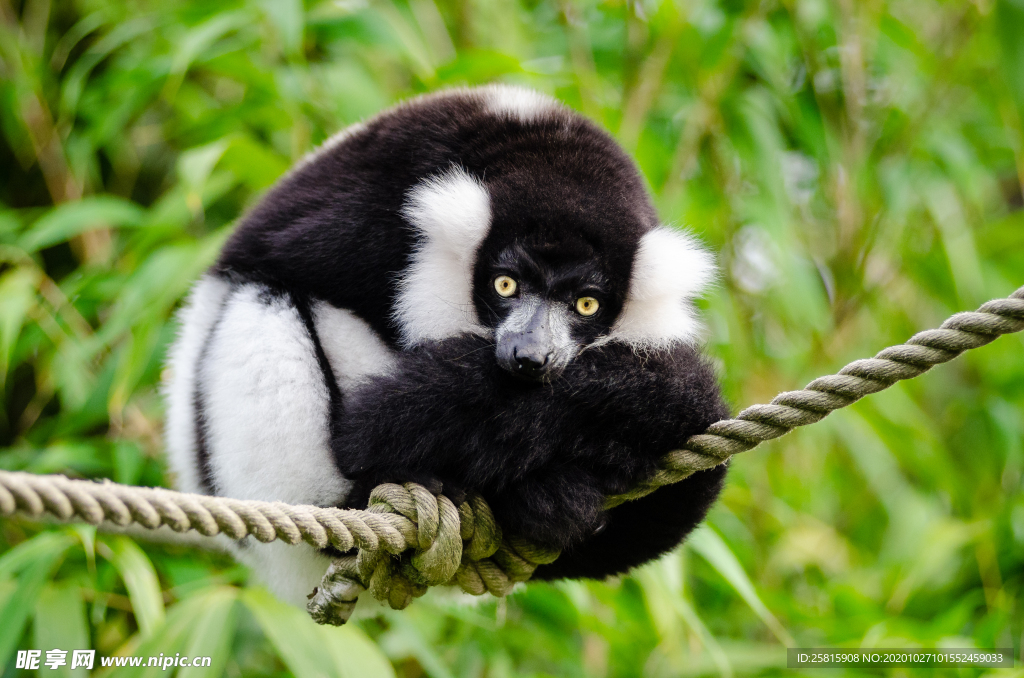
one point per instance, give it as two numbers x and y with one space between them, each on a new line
472 291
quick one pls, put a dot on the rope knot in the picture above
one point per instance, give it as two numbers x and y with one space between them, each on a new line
460 545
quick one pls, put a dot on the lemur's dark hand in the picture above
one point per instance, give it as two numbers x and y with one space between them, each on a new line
556 509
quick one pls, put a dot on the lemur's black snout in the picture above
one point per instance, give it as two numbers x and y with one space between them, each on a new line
531 362
529 359
529 349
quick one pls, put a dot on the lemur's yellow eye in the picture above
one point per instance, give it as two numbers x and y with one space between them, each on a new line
505 286
587 305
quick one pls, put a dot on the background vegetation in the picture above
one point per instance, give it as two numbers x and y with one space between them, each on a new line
858 165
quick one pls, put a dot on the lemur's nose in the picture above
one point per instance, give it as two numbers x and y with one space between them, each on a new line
532 363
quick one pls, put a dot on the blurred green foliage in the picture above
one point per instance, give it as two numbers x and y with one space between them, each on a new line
858 165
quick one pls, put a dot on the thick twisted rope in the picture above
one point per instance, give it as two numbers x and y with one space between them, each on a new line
814 402
409 539
406 540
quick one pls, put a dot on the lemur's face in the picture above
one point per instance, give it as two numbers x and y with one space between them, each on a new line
545 303
546 259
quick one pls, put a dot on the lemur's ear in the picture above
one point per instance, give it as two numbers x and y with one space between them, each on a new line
670 269
452 212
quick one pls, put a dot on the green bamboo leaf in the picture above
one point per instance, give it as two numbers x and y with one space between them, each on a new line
7 589
354 654
311 650
195 166
74 85
70 372
662 584
213 633
128 460
478 66
197 39
135 357
86 534
9 226
60 623
201 37
287 17
152 291
139 578
74 36
1009 25
178 206
74 218
178 634
36 558
27 552
18 607
407 639
293 634
17 297
710 546
255 164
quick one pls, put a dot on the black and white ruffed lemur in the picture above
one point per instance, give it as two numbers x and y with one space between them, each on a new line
472 291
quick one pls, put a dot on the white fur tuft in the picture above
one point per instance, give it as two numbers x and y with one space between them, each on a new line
452 213
519 103
354 351
196 318
267 406
669 270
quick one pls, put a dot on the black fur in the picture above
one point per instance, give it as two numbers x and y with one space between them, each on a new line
544 455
